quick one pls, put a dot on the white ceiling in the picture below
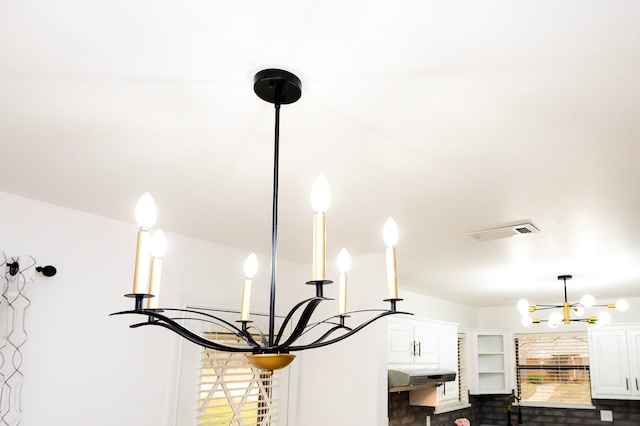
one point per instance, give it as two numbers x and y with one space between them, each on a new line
451 116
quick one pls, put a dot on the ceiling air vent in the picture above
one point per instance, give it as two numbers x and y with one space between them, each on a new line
505 232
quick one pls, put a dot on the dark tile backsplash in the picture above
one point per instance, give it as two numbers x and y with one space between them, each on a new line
492 410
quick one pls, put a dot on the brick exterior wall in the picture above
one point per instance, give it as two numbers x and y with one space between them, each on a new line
492 410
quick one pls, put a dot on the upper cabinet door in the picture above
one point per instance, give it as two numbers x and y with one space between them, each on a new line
399 342
425 344
609 363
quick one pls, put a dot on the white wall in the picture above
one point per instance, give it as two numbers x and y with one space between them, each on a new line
82 367
428 307
346 384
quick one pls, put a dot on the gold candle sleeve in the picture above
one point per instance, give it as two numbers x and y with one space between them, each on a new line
392 277
342 291
246 300
141 272
154 282
319 246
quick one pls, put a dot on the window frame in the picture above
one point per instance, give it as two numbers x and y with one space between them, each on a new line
582 367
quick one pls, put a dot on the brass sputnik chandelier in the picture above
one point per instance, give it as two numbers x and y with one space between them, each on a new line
270 350
571 312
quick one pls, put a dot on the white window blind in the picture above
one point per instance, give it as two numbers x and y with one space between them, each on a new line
463 389
232 392
553 367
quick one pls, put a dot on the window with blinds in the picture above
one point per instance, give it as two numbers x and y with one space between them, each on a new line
553 368
232 392
463 390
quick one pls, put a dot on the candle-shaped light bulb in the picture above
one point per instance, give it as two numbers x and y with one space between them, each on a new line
320 195
158 244
250 268
146 212
390 235
145 217
158 249
320 198
344 263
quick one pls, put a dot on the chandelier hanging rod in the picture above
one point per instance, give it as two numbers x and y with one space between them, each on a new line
272 352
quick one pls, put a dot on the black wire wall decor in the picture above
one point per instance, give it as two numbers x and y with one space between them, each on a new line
18 271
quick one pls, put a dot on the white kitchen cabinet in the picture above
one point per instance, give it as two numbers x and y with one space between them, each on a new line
415 343
491 362
412 342
614 362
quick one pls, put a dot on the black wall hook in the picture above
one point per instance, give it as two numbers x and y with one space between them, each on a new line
47 271
14 268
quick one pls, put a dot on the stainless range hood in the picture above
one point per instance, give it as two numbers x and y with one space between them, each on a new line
418 378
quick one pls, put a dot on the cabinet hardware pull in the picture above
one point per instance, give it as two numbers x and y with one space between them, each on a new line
627 379
413 348
419 348
637 384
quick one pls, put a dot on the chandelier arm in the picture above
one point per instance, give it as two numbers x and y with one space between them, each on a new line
168 323
194 338
543 307
288 318
344 336
220 322
329 333
246 336
262 336
319 323
302 322
328 320
191 311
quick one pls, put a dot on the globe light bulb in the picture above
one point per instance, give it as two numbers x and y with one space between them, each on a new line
579 310
146 212
603 318
587 301
526 321
523 307
622 305
554 319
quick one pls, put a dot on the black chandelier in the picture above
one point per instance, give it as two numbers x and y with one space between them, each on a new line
270 351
